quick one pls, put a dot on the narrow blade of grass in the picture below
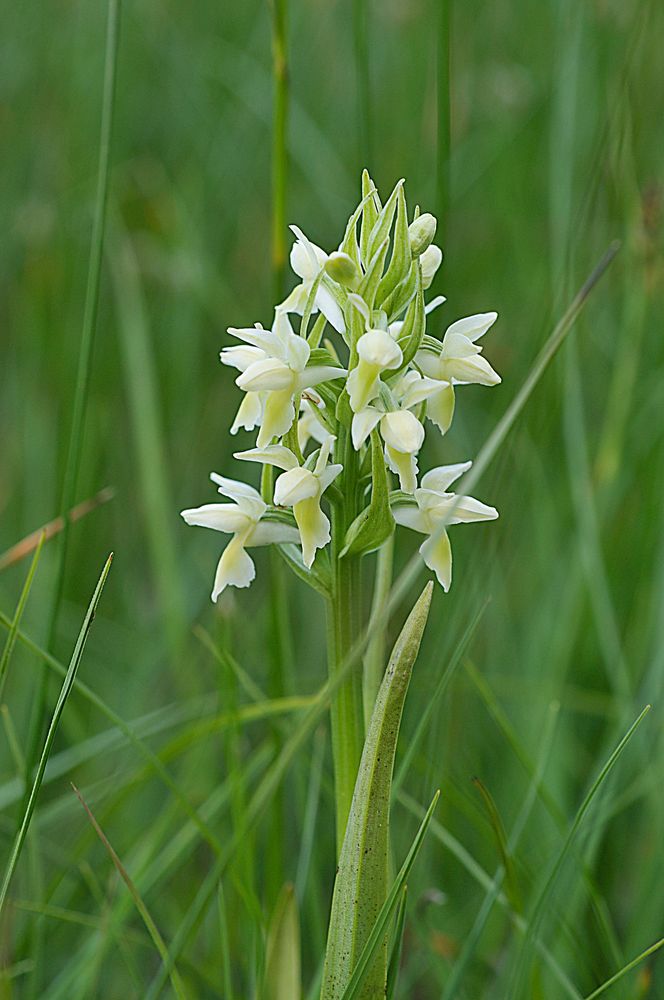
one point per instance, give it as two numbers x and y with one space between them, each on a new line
625 969
50 736
10 641
540 904
151 927
387 909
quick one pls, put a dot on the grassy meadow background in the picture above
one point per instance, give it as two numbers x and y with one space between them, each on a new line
555 112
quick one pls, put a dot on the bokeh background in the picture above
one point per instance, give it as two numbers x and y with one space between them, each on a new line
556 149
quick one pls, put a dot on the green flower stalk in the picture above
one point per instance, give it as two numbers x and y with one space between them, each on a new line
341 404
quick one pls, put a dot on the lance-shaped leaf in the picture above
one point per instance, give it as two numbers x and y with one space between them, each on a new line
401 257
370 212
375 523
282 979
360 889
383 225
414 325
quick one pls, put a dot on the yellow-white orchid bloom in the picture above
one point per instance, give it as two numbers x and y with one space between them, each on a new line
434 505
273 371
307 261
400 429
242 520
301 488
458 362
377 351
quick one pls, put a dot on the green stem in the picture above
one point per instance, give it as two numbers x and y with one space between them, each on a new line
444 115
279 151
374 658
343 629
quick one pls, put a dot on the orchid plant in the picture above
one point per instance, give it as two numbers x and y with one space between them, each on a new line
342 403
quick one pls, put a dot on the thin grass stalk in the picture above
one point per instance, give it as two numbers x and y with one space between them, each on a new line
362 82
281 643
443 141
88 331
279 150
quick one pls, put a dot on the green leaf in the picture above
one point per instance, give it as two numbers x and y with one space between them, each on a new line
321 356
282 980
369 214
383 224
317 577
401 257
397 300
360 889
414 325
369 284
375 523
397 946
357 980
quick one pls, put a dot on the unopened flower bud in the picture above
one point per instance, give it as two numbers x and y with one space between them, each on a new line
342 268
430 261
421 233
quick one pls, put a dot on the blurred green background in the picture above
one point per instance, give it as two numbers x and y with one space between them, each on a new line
556 149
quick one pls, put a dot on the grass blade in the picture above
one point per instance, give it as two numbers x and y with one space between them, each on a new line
151 927
538 910
50 736
10 641
627 968
282 959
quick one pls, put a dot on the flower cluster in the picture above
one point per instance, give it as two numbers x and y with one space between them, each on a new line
352 409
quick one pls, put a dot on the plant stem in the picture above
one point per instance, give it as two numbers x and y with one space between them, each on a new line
279 151
343 630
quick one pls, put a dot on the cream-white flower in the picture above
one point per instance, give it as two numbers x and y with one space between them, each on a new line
301 488
430 261
307 261
434 505
377 351
242 520
273 371
458 362
400 429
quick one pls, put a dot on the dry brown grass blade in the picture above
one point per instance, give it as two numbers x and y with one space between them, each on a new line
28 544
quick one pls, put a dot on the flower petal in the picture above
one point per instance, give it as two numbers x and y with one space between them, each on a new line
227 517
273 454
474 327
295 485
469 509
443 476
402 431
410 516
234 569
440 407
278 416
244 495
363 424
328 475
249 413
317 374
314 527
437 555
330 308
405 465
379 349
271 374
241 357
475 370
273 533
